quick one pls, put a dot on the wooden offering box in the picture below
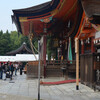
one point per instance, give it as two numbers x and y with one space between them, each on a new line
32 69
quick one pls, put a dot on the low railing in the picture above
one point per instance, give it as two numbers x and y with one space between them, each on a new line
60 67
69 65
60 62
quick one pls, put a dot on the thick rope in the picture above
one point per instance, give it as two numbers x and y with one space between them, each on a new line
32 47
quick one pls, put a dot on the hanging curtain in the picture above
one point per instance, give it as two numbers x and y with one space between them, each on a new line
70 51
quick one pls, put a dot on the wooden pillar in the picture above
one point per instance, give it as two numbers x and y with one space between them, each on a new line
44 54
82 47
77 62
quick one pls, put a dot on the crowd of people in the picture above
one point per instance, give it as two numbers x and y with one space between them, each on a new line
7 70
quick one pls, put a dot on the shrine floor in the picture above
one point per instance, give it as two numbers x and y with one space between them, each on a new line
21 88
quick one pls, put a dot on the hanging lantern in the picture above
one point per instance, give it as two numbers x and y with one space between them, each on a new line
88 40
45 30
82 42
94 41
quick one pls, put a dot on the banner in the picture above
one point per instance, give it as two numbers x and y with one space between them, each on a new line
70 51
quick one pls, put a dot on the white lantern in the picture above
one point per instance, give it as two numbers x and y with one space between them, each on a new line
94 41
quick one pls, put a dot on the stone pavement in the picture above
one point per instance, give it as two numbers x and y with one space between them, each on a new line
21 88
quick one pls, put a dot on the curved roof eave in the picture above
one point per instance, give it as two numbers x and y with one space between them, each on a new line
37 10
91 8
19 49
34 11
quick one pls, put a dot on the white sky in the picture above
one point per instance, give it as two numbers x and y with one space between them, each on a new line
6 7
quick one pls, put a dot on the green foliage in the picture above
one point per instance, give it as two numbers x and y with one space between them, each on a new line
35 43
25 39
15 40
11 41
4 42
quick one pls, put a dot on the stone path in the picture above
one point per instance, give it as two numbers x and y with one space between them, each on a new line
26 89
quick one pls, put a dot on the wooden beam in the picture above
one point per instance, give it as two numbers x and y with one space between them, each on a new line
23 19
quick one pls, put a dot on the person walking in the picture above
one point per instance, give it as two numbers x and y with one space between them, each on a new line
4 71
12 69
21 68
1 70
16 68
9 70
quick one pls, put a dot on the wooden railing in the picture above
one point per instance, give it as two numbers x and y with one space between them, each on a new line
56 62
68 65
59 62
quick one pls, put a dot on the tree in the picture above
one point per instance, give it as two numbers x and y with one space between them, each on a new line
1 32
11 41
15 40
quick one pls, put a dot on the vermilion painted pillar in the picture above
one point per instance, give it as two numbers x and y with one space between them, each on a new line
44 54
82 47
92 45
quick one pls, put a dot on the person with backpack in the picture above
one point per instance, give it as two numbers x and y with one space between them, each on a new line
8 72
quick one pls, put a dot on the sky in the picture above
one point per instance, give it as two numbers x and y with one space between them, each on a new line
6 7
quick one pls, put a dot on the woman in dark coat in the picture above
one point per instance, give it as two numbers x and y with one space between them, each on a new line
21 68
1 70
